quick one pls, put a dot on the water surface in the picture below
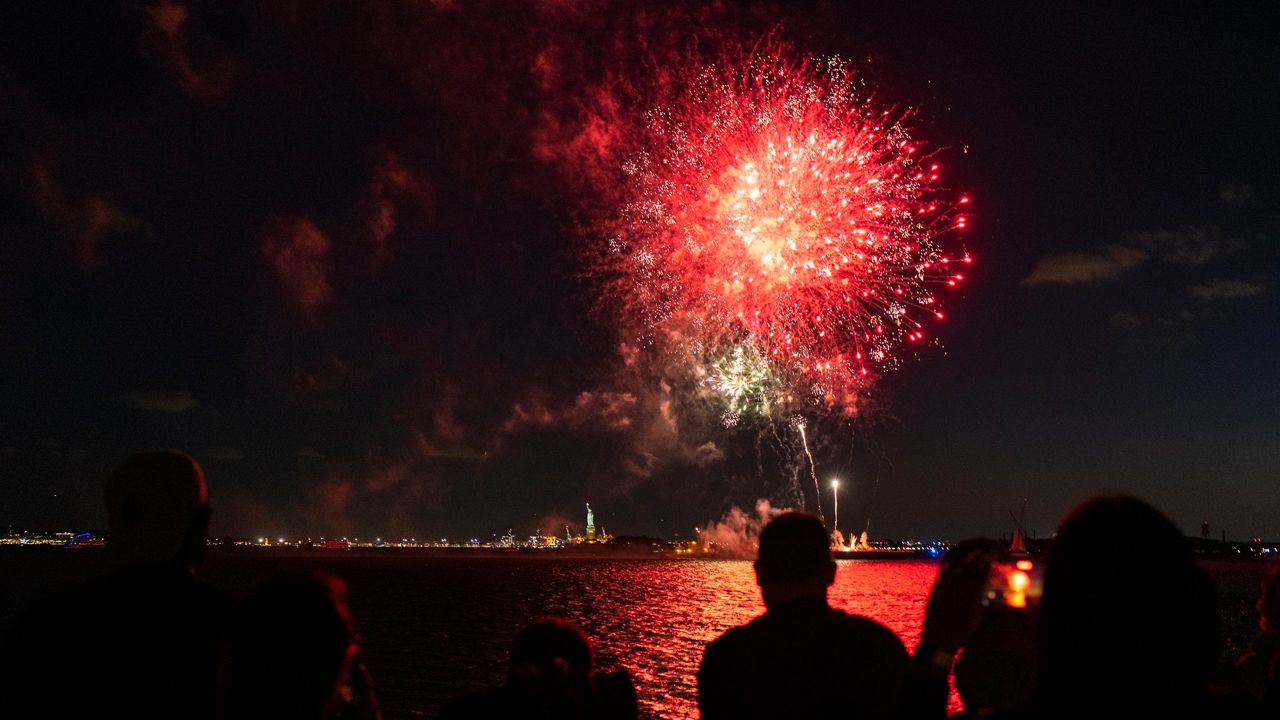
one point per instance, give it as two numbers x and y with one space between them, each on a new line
434 628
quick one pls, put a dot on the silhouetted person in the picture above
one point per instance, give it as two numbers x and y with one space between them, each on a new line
1260 667
1128 624
295 654
149 638
551 678
996 672
802 658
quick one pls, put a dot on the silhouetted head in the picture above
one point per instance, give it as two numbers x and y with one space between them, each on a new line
550 647
156 509
1126 615
550 673
794 560
293 649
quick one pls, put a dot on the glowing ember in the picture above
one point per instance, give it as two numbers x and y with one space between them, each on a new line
771 208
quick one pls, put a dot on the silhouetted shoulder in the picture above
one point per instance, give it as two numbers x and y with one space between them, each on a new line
802 658
871 633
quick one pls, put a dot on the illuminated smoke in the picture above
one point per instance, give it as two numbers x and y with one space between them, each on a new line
737 534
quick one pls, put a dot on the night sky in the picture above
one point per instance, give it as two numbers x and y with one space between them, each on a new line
331 249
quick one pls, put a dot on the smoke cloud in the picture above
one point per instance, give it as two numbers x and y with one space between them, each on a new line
737 534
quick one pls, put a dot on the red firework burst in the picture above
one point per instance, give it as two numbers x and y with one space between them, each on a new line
771 203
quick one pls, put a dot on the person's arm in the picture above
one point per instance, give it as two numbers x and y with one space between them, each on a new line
950 619
925 688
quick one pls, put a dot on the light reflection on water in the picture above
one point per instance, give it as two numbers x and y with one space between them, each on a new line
436 628
656 616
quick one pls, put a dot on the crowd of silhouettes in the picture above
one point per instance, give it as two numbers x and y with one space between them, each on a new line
1127 626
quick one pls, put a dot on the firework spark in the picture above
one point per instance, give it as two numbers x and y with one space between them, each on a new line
744 381
769 210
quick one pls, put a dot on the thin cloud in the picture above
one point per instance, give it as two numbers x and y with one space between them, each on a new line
1236 195
1128 321
394 188
173 403
1226 290
85 223
299 253
1193 245
1106 264
1190 245
608 410
168 39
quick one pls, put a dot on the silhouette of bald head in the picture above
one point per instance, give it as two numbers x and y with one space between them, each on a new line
156 508
794 559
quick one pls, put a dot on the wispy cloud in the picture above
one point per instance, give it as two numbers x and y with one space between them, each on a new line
649 419
1237 195
168 36
178 402
393 190
1105 264
1226 290
1128 321
84 223
300 255
1190 245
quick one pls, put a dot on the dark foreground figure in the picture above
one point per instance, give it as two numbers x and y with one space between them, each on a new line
1259 669
551 677
1127 628
1128 623
803 658
147 640
296 655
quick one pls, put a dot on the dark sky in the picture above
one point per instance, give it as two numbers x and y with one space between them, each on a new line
324 248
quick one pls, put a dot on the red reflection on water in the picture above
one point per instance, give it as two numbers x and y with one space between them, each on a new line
434 629
655 618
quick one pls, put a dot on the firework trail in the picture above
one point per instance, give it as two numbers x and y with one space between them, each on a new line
800 424
772 223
